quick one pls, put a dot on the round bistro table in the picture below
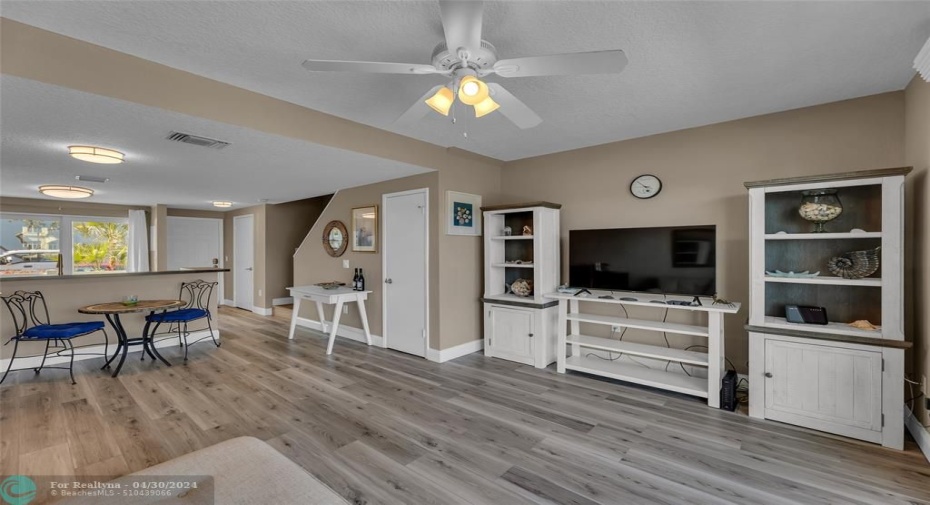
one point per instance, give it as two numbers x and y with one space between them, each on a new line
112 311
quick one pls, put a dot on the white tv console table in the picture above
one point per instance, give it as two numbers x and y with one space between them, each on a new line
713 359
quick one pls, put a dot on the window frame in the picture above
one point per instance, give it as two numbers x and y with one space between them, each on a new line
65 232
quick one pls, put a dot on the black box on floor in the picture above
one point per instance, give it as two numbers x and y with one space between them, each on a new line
728 399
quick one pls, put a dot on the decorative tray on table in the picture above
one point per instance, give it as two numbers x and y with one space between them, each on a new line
330 284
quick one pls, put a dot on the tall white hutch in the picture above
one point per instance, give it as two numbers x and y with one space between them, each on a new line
521 328
835 377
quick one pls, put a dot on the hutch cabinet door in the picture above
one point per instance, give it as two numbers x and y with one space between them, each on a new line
510 334
823 387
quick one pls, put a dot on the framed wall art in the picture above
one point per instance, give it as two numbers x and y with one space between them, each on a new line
463 214
365 229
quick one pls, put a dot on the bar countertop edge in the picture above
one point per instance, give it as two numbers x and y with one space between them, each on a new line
14 278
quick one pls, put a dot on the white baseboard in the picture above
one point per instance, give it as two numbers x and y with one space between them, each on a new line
231 303
34 361
287 300
348 332
262 311
443 355
920 434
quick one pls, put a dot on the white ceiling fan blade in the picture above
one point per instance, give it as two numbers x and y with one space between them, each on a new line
512 108
370 67
595 62
461 22
418 110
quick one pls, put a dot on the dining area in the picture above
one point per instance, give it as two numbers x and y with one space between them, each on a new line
49 323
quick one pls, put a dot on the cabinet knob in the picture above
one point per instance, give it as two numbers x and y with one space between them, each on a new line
531 334
768 375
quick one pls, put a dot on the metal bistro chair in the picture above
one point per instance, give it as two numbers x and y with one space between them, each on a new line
197 294
30 318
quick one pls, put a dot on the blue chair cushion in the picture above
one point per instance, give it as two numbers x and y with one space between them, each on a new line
177 315
66 330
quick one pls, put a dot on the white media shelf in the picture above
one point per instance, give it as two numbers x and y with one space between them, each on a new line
513 237
822 236
570 318
826 280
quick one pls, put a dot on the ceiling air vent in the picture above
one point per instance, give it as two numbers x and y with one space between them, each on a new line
91 178
187 138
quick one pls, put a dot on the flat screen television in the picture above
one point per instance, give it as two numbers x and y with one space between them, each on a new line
672 260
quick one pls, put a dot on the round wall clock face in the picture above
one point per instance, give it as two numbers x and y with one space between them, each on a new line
334 238
645 186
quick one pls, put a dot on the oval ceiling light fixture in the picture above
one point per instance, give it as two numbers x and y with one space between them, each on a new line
70 192
222 204
95 154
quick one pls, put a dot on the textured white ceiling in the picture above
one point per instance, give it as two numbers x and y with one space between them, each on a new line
40 121
691 63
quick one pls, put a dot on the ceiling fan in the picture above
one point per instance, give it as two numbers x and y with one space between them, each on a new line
466 58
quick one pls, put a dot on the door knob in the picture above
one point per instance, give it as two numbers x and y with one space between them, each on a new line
768 375
388 281
249 269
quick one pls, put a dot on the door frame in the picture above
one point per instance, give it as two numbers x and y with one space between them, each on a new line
384 263
236 239
219 223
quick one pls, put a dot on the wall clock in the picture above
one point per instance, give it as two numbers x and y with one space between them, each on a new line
645 186
335 238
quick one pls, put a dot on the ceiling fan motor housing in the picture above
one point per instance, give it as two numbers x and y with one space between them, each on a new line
482 58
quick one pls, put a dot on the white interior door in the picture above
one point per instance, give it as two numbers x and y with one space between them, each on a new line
194 242
405 268
243 260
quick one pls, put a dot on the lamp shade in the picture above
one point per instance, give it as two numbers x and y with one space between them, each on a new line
486 106
70 192
441 102
95 154
472 90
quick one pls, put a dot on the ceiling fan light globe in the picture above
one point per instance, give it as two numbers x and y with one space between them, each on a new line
472 90
441 102
485 107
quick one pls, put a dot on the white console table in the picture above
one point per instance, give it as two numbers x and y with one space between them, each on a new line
339 297
713 359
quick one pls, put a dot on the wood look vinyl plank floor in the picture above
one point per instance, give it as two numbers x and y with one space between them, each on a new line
379 426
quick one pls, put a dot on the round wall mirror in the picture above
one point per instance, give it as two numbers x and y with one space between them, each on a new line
335 238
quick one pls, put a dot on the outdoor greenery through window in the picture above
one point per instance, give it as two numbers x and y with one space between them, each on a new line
45 245
99 246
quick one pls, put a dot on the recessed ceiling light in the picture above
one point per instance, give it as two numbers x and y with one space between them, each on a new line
222 204
66 191
95 154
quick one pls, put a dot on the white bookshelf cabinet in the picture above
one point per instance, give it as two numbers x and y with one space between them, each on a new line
519 328
833 377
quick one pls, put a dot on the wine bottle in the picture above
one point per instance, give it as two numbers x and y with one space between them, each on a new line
361 280
355 281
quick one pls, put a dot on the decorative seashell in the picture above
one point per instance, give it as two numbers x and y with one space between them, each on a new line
522 287
855 264
864 324
527 230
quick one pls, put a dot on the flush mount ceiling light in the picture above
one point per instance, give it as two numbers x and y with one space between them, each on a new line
222 204
70 192
96 154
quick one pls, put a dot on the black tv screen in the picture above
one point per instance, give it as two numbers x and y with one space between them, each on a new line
674 260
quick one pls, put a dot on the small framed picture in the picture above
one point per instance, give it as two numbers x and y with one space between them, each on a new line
463 214
365 229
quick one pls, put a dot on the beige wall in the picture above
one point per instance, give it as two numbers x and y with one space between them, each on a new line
312 264
208 214
461 259
917 153
65 296
703 169
286 226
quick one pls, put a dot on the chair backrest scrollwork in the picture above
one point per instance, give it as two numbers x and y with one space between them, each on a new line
197 294
27 309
